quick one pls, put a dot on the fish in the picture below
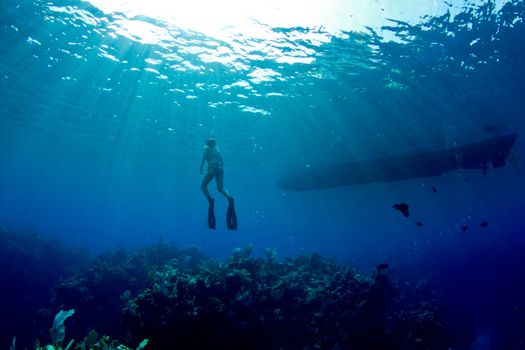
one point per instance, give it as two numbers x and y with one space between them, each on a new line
484 224
403 208
434 189
419 223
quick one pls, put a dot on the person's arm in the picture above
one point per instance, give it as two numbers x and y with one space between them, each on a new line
204 154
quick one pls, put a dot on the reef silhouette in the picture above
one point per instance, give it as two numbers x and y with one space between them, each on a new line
181 298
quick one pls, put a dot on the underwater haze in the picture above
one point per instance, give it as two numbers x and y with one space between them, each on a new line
105 107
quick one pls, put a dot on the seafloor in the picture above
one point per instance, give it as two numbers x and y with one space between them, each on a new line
182 299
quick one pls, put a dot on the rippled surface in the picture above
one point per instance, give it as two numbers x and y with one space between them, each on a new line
259 70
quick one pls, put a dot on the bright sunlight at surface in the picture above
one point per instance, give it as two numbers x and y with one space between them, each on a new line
232 31
253 19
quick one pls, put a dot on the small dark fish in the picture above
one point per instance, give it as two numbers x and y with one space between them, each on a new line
467 179
419 223
464 228
382 267
434 189
402 207
484 224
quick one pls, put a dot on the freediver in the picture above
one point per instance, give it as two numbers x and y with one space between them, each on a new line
216 170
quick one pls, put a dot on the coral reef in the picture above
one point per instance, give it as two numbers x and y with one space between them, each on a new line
98 293
30 266
307 302
179 298
90 342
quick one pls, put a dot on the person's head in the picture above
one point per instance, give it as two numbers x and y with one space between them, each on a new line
210 142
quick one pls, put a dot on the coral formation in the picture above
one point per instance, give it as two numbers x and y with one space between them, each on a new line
306 302
180 298
103 287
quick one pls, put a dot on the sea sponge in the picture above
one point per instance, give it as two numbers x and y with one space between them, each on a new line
58 331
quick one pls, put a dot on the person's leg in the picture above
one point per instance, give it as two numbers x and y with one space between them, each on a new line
231 216
204 184
219 178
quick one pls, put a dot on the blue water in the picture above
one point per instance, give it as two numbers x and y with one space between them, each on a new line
104 113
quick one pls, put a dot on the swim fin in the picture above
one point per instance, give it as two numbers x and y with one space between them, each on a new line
211 214
231 216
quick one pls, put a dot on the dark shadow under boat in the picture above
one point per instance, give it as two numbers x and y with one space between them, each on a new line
476 155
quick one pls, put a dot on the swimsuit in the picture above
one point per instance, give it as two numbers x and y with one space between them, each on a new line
215 168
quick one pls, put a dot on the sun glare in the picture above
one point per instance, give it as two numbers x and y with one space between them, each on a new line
210 16
227 19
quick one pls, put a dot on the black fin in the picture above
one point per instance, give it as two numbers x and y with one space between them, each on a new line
231 216
211 214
